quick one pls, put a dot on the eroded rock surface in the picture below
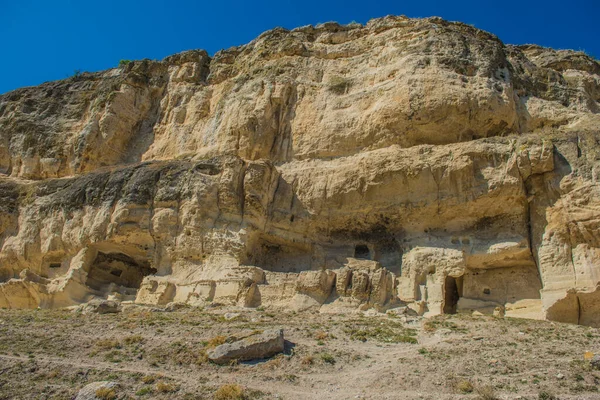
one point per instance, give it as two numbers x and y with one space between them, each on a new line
256 346
408 162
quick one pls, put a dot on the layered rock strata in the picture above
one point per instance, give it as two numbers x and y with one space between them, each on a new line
408 162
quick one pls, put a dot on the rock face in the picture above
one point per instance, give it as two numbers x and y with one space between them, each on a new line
411 162
257 346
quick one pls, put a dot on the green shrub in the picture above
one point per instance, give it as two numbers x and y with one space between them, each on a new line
328 358
545 395
144 391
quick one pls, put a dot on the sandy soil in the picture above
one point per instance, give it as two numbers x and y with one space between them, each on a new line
51 354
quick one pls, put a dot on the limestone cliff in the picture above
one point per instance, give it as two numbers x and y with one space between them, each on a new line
413 162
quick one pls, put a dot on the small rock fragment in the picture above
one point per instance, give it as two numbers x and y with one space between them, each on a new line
595 362
100 306
174 306
230 316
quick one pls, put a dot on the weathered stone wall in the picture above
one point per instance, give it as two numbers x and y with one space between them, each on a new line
405 162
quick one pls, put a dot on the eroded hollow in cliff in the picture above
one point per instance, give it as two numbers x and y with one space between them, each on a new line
452 293
278 255
362 251
503 285
118 269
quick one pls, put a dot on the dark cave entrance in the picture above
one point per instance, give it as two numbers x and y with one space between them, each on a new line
452 293
362 251
118 269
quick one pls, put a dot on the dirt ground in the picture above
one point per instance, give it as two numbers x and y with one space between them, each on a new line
51 354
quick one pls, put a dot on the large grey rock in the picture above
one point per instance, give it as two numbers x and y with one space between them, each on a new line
89 392
253 347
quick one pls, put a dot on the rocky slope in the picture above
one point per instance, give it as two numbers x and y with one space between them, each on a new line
408 162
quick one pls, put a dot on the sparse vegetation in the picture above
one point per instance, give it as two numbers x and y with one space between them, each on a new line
327 358
114 356
433 324
463 386
108 344
216 341
129 340
169 343
545 395
165 387
148 379
230 392
178 353
144 391
386 332
308 360
105 393
320 335
123 63
486 392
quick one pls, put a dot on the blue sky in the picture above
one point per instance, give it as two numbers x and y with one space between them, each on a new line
46 40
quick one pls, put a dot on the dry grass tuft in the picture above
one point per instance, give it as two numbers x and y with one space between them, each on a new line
202 357
148 379
133 339
108 344
308 360
463 386
106 393
274 363
320 335
230 392
216 341
486 392
164 387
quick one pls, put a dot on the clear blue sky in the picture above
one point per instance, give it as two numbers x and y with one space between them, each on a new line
48 39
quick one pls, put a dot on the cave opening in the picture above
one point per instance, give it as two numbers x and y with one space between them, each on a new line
118 269
275 254
452 293
362 251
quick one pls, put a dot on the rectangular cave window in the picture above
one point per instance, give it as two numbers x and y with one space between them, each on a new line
362 251
55 265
